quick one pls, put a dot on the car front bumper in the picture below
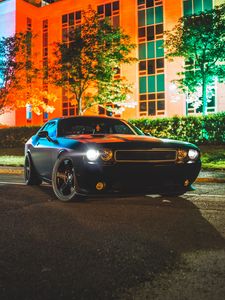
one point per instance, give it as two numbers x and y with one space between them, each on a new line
93 178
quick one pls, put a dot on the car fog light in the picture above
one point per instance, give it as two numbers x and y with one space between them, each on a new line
100 186
192 154
92 154
106 154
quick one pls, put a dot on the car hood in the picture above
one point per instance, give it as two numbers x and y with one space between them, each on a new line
128 141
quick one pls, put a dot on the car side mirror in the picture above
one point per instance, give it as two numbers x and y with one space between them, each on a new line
43 134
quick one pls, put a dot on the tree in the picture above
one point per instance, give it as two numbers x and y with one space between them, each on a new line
21 76
87 64
200 40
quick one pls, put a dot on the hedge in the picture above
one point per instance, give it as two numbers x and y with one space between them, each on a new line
208 130
188 129
16 137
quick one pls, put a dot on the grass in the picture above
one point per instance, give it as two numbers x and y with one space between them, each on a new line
213 157
12 157
10 160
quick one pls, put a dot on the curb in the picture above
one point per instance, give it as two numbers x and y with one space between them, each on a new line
11 170
210 180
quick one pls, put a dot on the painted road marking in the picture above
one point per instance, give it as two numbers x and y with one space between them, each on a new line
19 183
205 195
12 183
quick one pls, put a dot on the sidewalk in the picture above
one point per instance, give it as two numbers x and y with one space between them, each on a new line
204 176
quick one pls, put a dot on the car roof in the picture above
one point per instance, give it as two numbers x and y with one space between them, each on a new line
85 117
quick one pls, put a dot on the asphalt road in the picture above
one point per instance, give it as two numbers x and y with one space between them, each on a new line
143 247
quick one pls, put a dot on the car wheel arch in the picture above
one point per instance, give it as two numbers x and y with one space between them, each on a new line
62 152
28 153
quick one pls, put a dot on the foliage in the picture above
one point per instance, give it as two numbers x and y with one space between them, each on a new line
14 137
187 128
87 65
200 40
182 128
20 76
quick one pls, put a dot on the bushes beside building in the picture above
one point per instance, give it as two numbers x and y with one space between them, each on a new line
200 130
16 137
208 130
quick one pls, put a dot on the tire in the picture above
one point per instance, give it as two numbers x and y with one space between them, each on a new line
30 175
64 180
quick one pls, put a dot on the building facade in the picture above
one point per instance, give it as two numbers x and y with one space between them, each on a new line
144 20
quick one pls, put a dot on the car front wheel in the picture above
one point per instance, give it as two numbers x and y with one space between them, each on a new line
64 180
30 175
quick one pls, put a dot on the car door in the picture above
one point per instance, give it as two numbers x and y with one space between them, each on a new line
44 151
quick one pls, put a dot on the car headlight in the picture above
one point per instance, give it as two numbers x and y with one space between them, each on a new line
92 154
193 154
181 154
106 154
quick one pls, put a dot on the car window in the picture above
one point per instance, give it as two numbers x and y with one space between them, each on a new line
136 129
122 129
76 126
51 128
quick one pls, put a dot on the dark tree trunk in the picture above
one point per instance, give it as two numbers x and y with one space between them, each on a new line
204 97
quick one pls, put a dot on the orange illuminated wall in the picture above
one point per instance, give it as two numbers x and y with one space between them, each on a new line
53 14
130 12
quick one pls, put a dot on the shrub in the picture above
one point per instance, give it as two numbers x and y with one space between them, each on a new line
14 137
188 128
208 129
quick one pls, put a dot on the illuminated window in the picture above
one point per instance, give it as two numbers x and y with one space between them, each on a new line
29 24
28 112
45 61
196 6
68 108
151 56
110 10
29 52
108 112
69 21
29 29
152 104
211 104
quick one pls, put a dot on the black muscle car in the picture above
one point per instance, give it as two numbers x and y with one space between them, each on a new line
87 155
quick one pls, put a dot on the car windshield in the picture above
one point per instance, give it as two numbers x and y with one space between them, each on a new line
83 125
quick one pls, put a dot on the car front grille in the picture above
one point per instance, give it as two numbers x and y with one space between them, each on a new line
154 155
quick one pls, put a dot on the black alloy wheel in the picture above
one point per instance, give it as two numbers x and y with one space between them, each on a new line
64 180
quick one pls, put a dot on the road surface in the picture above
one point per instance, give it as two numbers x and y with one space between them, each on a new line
142 247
